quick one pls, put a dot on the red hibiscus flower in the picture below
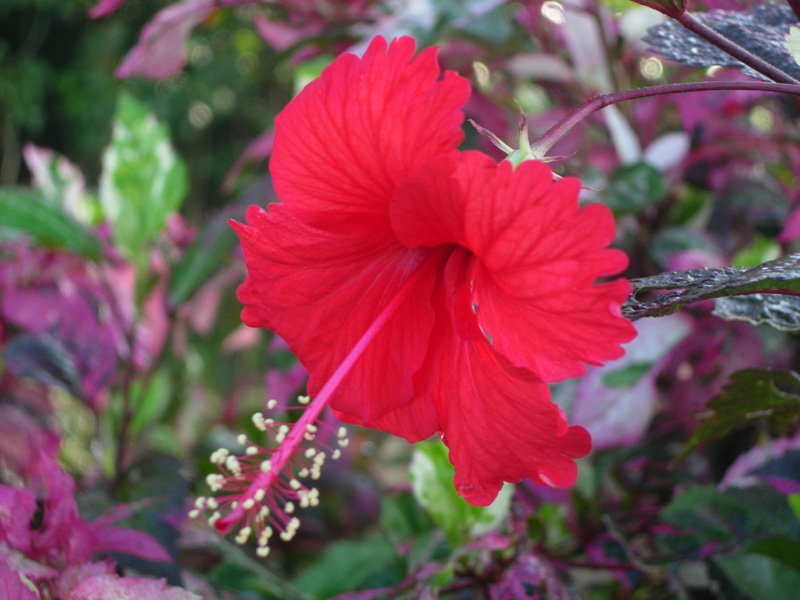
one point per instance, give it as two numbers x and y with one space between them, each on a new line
464 286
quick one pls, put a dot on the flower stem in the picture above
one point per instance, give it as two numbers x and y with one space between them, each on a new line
280 459
555 133
735 50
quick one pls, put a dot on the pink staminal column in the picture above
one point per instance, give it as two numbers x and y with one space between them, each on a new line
261 489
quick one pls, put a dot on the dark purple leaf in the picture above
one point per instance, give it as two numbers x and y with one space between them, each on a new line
760 30
779 311
732 517
686 287
44 359
751 396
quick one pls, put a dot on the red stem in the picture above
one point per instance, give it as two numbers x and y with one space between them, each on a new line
555 133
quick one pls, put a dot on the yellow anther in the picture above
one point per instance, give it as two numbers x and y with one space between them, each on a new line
243 535
194 513
251 450
310 452
262 551
232 464
272 404
336 454
342 432
215 481
294 484
241 439
304 399
265 466
289 508
259 495
248 504
258 421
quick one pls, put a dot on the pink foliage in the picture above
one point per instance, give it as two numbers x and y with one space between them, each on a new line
111 587
161 49
11 586
619 415
105 8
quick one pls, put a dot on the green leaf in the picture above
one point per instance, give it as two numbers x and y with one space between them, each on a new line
432 483
794 504
689 205
793 43
752 395
347 566
760 577
402 517
734 516
627 376
671 240
239 572
781 549
633 188
208 251
23 211
143 179
760 250
152 402
695 285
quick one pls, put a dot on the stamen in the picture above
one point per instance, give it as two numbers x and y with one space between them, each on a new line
262 488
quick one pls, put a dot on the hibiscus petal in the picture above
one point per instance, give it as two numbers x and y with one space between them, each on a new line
538 256
321 292
343 144
497 419
500 424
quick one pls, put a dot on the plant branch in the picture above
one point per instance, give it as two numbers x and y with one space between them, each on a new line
555 133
